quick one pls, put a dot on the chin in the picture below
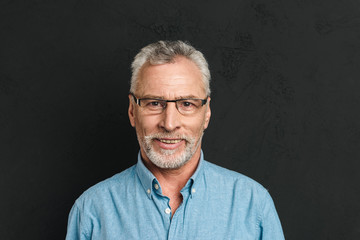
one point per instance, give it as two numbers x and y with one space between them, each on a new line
169 159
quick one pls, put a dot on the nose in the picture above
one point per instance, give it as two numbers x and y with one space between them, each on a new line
170 118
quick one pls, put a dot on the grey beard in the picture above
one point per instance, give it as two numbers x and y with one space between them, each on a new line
166 159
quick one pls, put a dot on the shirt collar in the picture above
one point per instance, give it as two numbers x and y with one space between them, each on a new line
147 178
194 182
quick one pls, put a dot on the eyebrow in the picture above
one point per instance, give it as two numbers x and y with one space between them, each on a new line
152 96
188 97
162 98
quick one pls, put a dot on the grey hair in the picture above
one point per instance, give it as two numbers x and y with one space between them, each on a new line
165 52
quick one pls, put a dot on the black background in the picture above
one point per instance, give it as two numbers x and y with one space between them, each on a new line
285 103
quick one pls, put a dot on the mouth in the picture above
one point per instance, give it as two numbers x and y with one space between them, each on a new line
169 144
170 141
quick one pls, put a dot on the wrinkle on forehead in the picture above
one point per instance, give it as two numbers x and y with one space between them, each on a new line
180 78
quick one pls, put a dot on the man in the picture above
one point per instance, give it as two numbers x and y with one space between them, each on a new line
172 192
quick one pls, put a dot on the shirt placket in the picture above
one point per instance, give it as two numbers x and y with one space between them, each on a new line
162 204
177 221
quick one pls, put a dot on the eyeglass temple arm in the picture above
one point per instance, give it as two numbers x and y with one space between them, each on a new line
137 101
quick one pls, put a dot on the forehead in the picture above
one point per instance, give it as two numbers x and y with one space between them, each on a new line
170 80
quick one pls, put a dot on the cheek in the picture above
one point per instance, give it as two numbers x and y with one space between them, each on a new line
197 126
146 125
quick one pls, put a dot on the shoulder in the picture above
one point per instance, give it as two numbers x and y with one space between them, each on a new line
243 192
233 180
107 187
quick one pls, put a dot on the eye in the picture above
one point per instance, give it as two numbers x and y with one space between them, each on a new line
154 104
188 105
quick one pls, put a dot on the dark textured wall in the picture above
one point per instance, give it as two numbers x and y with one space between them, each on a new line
285 103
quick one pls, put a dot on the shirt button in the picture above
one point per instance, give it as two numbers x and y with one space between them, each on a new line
156 186
167 211
193 190
148 191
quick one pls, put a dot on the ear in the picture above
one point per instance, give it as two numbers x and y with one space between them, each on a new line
131 111
207 114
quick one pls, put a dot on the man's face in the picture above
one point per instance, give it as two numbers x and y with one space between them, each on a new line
169 139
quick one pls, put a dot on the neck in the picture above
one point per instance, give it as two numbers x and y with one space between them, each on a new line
173 180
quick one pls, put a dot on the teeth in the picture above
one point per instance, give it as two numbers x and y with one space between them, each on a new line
170 141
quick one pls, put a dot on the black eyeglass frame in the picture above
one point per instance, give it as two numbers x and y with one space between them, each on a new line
137 100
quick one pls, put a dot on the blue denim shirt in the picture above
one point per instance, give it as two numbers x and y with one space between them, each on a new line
217 204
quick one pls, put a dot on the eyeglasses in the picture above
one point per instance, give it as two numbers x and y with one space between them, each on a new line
184 106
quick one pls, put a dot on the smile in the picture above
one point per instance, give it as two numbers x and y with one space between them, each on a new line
170 141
